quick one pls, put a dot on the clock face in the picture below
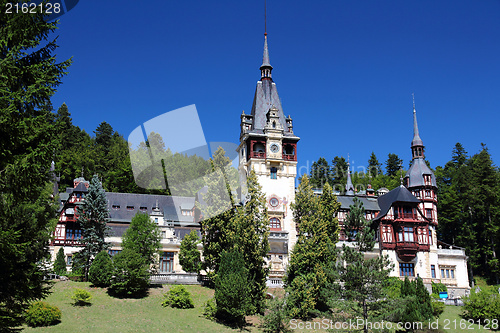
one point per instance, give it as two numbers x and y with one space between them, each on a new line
275 148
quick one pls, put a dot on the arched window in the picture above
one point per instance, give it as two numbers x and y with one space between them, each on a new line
275 223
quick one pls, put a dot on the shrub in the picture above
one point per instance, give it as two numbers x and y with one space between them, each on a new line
210 309
482 305
77 265
60 263
438 287
178 297
81 297
437 308
101 270
42 314
131 276
276 319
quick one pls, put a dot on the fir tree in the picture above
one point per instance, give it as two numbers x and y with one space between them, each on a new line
320 173
357 228
232 289
189 255
314 250
251 238
143 236
60 263
374 167
93 215
29 76
393 165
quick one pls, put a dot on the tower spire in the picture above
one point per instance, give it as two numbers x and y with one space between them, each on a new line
417 146
265 68
348 187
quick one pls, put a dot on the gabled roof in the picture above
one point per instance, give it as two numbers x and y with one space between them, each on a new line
81 188
368 203
399 194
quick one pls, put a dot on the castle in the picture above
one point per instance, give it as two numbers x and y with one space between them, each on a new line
405 218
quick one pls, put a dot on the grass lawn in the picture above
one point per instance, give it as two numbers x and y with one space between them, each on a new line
450 320
109 314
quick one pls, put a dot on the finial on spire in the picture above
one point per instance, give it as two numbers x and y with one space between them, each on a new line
265 19
416 144
82 170
348 187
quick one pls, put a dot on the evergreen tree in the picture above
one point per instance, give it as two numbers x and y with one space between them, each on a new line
130 274
374 167
320 173
232 289
29 76
357 228
218 229
93 215
393 165
60 263
143 236
189 256
251 238
314 250
101 270
338 173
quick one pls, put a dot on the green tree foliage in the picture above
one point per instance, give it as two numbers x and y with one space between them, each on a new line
251 238
393 165
276 319
101 270
92 216
358 228
232 289
359 286
143 237
131 276
468 204
482 305
338 173
417 302
78 264
314 250
29 76
60 263
374 167
189 255
218 231
320 173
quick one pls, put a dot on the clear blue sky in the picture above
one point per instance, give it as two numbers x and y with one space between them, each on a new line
345 70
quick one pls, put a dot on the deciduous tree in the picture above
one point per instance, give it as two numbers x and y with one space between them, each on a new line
143 236
189 255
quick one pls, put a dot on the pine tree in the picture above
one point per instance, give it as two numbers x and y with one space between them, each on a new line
251 238
314 250
189 256
320 173
338 173
143 236
393 165
60 263
232 289
374 167
357 228
29 76
93 215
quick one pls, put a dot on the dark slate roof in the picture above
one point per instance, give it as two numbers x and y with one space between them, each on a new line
117 230
182 232
399 194
417 171
416 137
81 188
368 203
170 206
266 95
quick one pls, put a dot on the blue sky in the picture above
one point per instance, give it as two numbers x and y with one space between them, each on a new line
345 70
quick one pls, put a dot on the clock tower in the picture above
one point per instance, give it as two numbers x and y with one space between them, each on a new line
269 147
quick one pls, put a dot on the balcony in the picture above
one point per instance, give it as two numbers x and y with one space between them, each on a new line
66 242
257 154
278 235
405 216
289 157
407 250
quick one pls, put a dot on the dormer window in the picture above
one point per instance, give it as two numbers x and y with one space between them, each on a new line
130 207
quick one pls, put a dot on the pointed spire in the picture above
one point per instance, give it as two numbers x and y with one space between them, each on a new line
265 68
417 146
416 137
348 187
